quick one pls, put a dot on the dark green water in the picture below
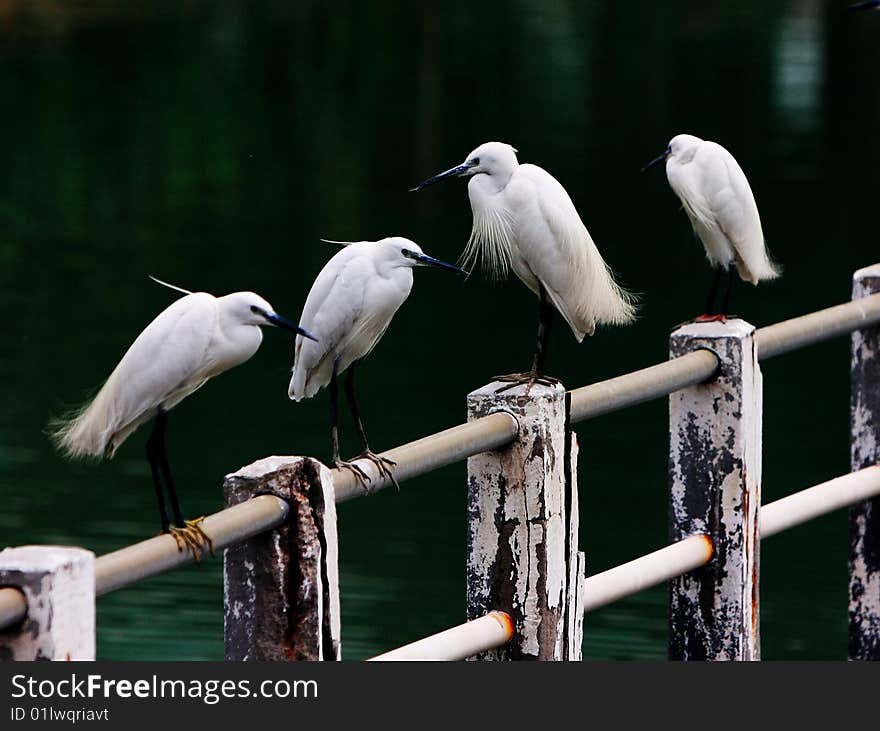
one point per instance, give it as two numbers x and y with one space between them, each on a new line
212 144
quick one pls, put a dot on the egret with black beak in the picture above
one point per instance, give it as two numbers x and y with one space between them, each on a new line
719 201
194 339
349 308
525 220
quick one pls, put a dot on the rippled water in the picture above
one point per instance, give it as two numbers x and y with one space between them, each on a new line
212 144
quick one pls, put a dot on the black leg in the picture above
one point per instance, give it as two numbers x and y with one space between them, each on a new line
710 303
383 464
186 533
352 405
333 389
536 374
726 309
334 413
161 424
545 321
156 435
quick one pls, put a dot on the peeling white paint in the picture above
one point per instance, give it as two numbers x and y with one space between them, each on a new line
715 476
59 586
518 528
864 576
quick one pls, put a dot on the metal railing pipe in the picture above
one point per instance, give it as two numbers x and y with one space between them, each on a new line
824 498
646 571
458 643
13 606
156 555
431 452
643 385
788 335
587 402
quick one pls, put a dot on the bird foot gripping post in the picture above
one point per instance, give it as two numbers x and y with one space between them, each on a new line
281 588
715 476
523 554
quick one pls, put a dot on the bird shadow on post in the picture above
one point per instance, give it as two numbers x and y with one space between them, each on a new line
715 476
864 518
281 588
523 526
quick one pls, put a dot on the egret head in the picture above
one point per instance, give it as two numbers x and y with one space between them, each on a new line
247 308
681 148
496 159
405 253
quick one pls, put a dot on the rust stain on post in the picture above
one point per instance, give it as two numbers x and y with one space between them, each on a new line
281 591
715 477
864 554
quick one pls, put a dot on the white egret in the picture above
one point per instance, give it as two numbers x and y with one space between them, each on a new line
349 308
525 220
718 200
197 337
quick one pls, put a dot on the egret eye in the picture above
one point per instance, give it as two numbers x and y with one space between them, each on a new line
475 161
256 310
407 253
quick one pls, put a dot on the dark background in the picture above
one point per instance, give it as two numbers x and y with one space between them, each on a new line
213 143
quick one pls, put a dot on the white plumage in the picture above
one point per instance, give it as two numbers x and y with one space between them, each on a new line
721 206
195 338
524 220
350 306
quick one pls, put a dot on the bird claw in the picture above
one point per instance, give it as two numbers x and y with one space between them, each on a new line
529 379
383 465
192 537
706 318
362 477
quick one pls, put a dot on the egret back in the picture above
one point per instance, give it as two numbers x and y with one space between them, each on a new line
348 308
553 247
169 360
721 206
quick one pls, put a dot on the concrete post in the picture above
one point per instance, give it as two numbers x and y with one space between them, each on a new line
59 586
864 518
281 588
522 526
715 476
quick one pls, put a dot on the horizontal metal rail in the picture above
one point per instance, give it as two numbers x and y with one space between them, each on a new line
788 335
160 554
646 571
654 568
695 551
432 452
13 607
459 643
156 555
233 525
614 394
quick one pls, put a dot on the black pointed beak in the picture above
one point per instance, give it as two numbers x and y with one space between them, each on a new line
656 161
430 261
285 324
863 6
451 173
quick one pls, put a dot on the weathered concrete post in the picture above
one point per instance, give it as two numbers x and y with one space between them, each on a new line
59 586
864 519
523 526
715 476
281 589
